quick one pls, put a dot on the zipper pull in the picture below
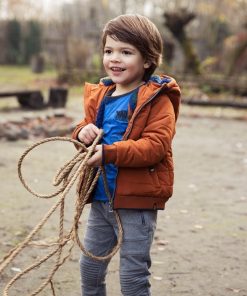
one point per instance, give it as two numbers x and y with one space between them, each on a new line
107 189
110 206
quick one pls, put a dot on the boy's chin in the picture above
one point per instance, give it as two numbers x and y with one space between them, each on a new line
114 80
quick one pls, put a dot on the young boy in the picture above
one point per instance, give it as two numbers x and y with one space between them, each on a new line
137 112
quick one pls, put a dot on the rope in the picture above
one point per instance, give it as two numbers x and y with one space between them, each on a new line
75 169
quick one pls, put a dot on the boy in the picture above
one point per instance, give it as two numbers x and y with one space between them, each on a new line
137 112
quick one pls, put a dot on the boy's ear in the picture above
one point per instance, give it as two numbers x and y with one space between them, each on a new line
147 64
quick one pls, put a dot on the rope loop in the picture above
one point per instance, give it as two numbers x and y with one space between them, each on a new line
74 170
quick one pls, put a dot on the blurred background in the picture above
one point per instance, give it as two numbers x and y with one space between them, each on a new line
48 49
46 43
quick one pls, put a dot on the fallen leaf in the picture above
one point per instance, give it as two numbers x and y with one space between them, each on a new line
193 187
234 290
184 211
197 226
157 278
239 145
16 269
158 262
161 248
162 242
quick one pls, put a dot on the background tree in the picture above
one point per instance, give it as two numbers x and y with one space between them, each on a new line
33 39
13 40
176 22
234 57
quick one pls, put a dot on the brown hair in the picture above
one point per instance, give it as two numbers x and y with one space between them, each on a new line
140 32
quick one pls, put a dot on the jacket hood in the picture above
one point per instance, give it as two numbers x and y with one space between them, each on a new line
157 84
163 85
170 87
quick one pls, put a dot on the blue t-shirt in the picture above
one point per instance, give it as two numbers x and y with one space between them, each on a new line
114 124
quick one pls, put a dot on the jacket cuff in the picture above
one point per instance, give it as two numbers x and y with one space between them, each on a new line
75 137
110 154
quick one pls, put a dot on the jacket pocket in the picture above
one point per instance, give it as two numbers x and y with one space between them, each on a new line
138 182
154 175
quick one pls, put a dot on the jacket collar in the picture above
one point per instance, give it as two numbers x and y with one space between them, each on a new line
160 80
155 85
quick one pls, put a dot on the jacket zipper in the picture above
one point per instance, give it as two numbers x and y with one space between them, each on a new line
111 202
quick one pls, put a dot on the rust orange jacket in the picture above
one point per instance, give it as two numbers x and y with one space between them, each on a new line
144 156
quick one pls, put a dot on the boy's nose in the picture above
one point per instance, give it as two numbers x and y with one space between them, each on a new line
115 57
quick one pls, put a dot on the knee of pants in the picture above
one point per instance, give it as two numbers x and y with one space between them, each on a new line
135 282
135 286
92 272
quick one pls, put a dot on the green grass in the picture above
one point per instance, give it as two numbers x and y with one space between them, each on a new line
21 77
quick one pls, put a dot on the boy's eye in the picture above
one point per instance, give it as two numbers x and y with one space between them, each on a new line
127 52
107 51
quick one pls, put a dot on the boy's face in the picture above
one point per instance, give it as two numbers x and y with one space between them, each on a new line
124 64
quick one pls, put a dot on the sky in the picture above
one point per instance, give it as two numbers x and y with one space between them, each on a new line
48 3
48 6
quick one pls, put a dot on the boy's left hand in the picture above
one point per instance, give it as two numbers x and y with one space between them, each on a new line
96 158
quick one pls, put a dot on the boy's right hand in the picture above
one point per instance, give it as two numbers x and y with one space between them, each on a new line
88 133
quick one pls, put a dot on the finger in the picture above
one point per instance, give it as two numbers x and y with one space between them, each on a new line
95 129
82 136
91 134
97 148
94 160
91 161
86 139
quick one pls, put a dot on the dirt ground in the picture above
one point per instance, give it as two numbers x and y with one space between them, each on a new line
201 239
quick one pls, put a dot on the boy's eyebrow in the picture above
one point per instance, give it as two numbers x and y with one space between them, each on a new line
124 47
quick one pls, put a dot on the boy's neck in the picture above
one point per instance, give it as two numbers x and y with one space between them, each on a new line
122 89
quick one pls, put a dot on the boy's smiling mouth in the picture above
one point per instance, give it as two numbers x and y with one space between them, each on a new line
117 69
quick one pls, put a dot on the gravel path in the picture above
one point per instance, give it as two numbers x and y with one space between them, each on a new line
201 240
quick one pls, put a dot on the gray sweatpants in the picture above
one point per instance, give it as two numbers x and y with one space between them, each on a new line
135 261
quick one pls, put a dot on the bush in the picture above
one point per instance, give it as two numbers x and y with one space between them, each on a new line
32 41
13 38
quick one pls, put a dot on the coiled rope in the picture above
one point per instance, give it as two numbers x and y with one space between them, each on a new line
75 169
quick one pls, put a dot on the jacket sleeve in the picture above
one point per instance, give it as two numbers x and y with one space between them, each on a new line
155 141
89 110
